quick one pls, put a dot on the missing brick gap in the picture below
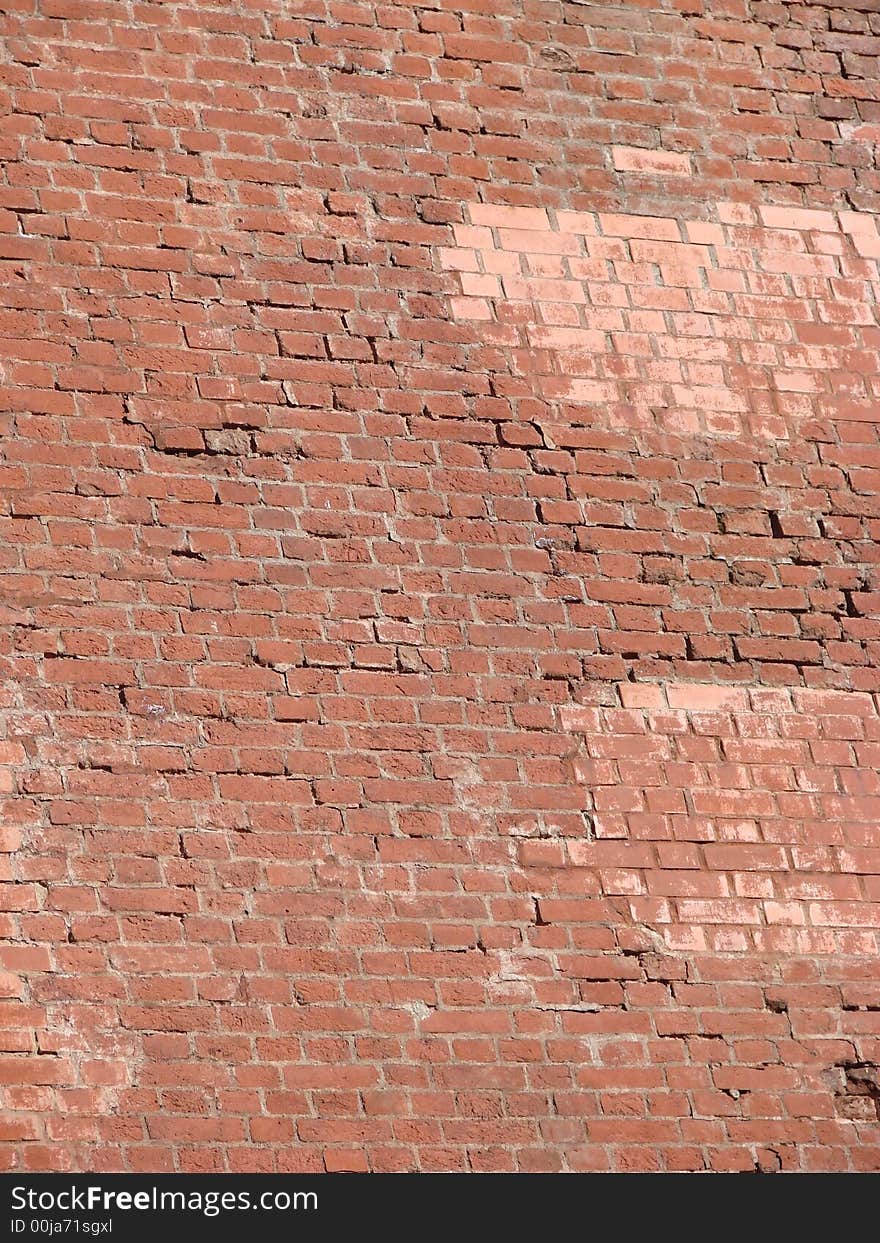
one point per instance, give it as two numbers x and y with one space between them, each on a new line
862 1079
768 1161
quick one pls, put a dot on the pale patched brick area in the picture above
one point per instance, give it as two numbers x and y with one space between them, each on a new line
439 586
743 326
736 820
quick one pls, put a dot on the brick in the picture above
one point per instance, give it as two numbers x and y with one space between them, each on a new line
566 339
655 163
706 698
658 229
494 215
858 222
530 241
642 696
471 308
798 218
576 222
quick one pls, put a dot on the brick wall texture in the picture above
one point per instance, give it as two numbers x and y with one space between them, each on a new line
439 584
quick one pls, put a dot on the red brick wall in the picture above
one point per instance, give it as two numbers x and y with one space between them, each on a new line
440 628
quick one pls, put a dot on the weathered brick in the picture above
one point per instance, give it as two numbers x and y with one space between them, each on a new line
655 163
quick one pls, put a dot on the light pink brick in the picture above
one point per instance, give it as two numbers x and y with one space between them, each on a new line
529 240
858 221
576 222
470 308
705 234
578 719
798 218
459 260
541 290
642 695
496 215
501 262
736 214
552 338
706 697
654 228
476 285
475 236
647 160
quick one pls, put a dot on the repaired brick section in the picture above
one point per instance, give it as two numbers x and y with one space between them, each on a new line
746 819
405 767
577 367
747 327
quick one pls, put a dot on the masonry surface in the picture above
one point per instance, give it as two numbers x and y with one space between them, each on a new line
439 585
